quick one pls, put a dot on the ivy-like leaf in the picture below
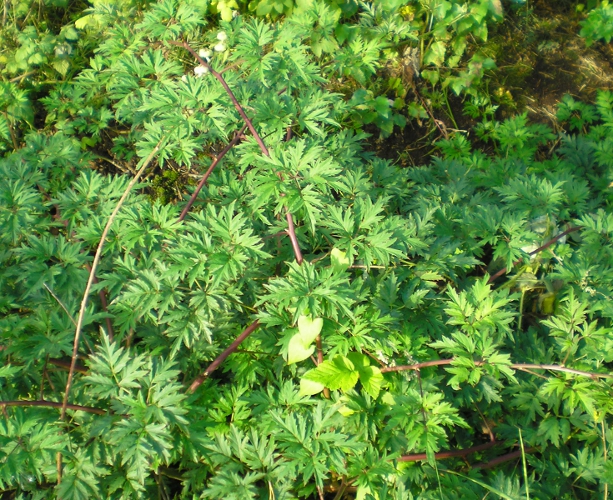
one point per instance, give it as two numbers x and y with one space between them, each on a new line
299 347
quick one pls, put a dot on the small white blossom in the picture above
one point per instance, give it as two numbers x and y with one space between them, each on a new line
220 47
63 49
234 14
221 36
201 70
205 54
184 78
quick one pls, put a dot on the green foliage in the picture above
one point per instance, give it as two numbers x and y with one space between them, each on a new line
386 363
445 30
379 111
599 24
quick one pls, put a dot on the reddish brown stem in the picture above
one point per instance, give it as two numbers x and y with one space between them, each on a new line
221 358
320 355
221 80
291 231
66 364
553 240
206 176
53 404
503 458
448 454
293 238
241 112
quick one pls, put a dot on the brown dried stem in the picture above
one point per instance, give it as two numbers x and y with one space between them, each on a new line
92 276
516 366
66 364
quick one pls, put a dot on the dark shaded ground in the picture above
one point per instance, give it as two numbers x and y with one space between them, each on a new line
540 57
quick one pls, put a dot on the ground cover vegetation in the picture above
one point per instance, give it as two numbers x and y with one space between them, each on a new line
320 250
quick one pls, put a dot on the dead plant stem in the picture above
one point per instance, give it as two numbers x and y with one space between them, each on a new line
92 275
516 366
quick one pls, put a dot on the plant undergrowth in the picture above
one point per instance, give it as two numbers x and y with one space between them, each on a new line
308 320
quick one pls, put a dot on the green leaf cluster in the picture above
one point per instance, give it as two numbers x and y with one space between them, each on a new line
441 317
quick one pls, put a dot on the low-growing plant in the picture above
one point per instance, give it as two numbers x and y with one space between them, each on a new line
599 24
309 321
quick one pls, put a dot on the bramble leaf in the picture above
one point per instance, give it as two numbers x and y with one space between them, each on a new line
338 373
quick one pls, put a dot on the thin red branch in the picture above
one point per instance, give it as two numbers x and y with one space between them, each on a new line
448 454
249 124
199 187
66 364
221 358
503 458
293 238
221 80
515 366
320 355
553 240
53 404
291 231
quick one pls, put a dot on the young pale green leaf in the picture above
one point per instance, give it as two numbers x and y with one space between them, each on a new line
309 328
339 259
309 387
299 347
338 373
297 351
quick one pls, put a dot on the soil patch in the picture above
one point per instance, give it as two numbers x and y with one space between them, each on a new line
540 57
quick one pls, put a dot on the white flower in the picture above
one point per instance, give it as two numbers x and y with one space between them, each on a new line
205 54
234 14
220 47
200 70
63 49
184 78
221 36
